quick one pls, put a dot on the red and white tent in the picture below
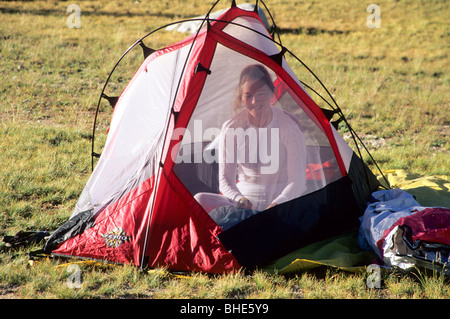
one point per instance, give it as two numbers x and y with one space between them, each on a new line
139 205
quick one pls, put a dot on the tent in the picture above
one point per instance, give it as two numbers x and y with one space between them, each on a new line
141 204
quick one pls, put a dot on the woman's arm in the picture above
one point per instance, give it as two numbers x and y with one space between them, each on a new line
294 141
228 165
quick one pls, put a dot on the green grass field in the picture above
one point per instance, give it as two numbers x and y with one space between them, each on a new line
391 82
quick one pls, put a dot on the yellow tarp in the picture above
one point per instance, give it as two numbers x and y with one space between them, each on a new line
428 190
342 252
339 252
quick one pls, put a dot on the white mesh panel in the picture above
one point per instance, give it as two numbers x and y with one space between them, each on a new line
199 158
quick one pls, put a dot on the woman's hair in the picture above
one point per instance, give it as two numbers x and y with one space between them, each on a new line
256 73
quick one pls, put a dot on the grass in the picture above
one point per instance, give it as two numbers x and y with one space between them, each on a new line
392 84
50 280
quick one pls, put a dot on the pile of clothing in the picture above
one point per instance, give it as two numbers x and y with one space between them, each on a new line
405 234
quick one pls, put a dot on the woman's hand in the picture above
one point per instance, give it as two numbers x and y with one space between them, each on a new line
271 205
244 203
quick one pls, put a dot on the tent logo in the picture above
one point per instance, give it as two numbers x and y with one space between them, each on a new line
115 237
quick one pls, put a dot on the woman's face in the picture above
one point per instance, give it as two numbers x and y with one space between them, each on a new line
256 96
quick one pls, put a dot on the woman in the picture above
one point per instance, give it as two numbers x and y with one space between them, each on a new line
262 150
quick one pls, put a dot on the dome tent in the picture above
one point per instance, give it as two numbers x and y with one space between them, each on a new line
140 206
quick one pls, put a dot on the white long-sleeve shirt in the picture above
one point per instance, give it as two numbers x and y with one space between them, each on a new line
264 164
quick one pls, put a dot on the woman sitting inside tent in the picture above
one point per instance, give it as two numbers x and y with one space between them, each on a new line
261 151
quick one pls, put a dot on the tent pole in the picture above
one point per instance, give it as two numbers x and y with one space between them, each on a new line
172 114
